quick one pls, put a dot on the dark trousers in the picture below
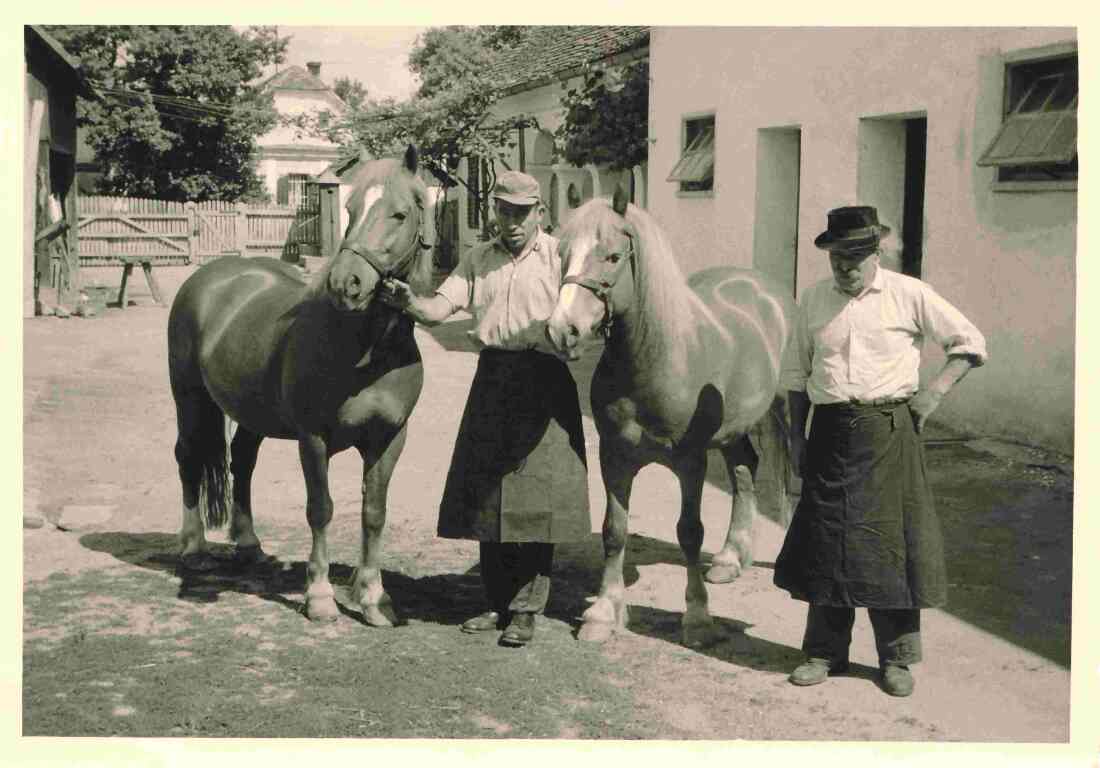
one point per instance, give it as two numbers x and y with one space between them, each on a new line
516 575
829 633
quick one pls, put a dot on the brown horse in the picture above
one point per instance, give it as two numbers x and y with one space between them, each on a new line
688 365
250 342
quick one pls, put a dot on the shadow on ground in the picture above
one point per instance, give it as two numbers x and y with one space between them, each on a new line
446 599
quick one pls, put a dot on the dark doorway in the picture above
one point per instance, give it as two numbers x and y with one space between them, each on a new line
912 225
775 227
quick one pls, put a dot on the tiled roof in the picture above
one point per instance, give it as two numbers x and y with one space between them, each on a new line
294 79
552 51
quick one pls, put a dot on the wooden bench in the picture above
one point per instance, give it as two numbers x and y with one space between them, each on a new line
128 269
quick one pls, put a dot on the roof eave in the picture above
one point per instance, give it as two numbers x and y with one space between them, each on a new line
83 88
630 53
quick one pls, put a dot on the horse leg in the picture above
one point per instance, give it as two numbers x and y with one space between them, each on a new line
320 597
608 614
697 625
367 589
243 451
192 538
736 553
200 456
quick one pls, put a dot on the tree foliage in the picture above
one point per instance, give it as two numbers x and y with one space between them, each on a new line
449 116
179 118
351 91
607 117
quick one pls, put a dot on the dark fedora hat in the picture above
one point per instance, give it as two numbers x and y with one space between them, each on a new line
852 228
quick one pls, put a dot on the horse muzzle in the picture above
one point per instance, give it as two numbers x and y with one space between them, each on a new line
579 316
566 337
352 282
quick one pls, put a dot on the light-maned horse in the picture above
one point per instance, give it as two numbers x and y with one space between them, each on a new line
320 362
688 365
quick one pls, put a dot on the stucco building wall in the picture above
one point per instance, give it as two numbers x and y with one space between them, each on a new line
1007 259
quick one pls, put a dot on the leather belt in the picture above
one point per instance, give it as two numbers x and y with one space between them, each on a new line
880 402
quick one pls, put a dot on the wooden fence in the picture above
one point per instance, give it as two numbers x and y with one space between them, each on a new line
113 230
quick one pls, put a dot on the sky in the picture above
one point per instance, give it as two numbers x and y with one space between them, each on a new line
375 56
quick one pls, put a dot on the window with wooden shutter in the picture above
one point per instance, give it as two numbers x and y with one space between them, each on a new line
695 169
1037 140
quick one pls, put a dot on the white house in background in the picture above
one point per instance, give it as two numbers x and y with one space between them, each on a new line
534 74
288 158
965 140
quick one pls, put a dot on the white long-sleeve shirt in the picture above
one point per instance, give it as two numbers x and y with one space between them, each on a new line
867 347
510 297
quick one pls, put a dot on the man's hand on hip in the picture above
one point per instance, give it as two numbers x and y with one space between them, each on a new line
922 406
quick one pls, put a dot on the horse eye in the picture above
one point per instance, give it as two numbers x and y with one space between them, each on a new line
399 216
613 258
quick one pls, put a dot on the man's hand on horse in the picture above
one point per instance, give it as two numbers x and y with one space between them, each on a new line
395 293
922 405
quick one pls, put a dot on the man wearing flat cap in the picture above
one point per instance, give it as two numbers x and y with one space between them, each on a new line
518 481
865 532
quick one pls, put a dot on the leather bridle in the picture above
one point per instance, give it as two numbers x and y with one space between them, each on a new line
395 269
604 286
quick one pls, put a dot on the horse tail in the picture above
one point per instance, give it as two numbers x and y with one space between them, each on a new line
771 438
215 433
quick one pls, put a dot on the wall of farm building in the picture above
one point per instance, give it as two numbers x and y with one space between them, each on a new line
1005 258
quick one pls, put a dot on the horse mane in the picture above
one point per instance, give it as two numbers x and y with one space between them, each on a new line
372 172
663 301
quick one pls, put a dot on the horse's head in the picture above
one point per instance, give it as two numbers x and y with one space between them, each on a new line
598 265
385 234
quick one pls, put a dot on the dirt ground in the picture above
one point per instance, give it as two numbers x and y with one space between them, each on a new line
117 642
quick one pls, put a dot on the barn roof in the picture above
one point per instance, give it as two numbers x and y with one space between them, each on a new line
58 50
35 34
294 78
551 52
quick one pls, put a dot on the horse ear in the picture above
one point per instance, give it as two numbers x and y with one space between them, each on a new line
411 158
619 200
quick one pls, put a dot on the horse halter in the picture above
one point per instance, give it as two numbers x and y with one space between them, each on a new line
603 287
395 269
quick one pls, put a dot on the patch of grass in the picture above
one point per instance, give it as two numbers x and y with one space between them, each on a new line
422 680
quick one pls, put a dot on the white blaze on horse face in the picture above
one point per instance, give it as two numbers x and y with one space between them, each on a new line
579 250
576 303
370 197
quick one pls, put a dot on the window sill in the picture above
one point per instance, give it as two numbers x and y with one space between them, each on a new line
693 193
1034 186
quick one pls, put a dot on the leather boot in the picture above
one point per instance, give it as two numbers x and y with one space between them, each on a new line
816 671
486 622
520 631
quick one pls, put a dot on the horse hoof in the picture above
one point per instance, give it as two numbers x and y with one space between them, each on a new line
722 574
322 611
380 615
596 632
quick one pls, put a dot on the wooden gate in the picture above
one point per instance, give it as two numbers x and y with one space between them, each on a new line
305 234
114 230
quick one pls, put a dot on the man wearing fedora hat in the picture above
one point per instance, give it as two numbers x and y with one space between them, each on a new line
865 532
518 481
